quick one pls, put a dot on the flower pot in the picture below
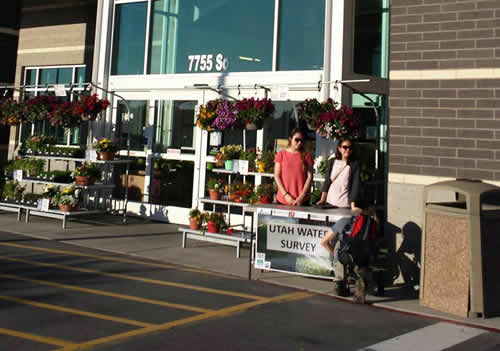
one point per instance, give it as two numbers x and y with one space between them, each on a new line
214 195
265 200
68 208
251 126
84 180
212 227
106 155
228 165
194 224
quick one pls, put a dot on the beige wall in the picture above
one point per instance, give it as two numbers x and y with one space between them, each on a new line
54 33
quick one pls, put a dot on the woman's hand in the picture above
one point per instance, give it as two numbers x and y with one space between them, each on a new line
322 200
298 201
289 199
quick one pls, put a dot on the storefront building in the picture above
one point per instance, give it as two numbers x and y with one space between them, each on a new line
166 58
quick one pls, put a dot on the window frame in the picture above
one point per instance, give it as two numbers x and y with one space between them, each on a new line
37 88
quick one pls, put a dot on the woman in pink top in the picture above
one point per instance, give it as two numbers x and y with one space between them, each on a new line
293 171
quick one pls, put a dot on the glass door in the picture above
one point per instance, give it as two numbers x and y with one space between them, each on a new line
173 153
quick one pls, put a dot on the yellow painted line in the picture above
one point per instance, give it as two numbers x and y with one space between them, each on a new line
139 279
109 294
37 338
115 259
224 312
75 311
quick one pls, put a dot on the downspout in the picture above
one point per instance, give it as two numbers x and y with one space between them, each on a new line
327 52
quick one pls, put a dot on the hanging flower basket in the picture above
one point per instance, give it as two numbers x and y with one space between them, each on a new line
89 107
253 112
11 112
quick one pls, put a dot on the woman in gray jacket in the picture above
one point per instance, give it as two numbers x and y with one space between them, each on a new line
341 187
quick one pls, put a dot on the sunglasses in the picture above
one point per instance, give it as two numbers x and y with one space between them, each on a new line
298 140
346 147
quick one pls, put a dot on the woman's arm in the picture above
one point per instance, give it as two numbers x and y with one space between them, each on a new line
355 184
279 183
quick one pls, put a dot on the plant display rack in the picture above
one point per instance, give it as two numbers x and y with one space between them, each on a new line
94 191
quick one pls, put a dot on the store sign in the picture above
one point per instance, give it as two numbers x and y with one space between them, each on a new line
284 244
208 63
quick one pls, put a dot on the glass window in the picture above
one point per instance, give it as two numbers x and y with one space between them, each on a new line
47 76
129 38
301 35
371 37
30 77
135 126
56 76
211 36
174 125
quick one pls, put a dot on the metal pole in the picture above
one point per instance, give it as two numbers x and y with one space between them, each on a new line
128 147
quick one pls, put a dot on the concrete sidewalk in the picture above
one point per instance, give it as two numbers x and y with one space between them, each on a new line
162 242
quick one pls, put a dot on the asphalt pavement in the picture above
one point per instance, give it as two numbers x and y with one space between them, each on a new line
291 324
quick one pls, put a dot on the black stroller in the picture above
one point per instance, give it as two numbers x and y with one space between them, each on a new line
362 256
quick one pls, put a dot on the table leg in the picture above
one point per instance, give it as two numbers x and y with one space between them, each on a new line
64 222
184 240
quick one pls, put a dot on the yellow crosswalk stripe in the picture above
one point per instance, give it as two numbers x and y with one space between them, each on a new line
129 277
75 311
36 338
110 294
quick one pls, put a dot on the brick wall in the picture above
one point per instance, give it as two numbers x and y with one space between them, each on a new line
445 88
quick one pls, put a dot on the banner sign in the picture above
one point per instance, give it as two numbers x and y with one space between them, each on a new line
285 244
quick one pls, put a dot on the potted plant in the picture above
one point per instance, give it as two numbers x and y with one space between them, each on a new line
252 112
195 219
106 148
215 188
87 173
50 193
68 199
265 192
215 222
229 153
265 162
241 192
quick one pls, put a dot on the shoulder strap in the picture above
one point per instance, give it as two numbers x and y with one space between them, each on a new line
338 173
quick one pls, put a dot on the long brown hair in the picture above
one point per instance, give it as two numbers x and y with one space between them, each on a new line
301 148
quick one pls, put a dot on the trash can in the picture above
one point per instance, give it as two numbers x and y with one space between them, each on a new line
460 269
